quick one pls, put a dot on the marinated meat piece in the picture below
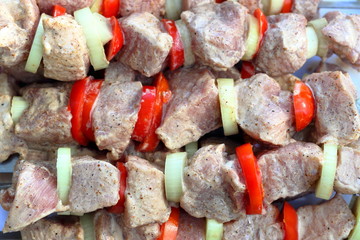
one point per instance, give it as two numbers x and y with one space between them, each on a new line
66 56
10 143
206 185
18 22
149 46
229 73
330 220
190 228
20 75
336 118
343 34
114 116
252 5
94 185
348 171
290 170
308 8
145 201
287 82
36 197
7 198
145 232
107 227
118 72
7 85
194 109
50 104
190 4
155 7
261 109
68 228
218 33
256 227
70 5
332 15
283 49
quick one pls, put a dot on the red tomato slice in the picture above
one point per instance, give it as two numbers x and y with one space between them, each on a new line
170 228
263 23
145 114
247 69
304 105
252 177
290 222
58 11
110 8
91 92
219 1
119 207
117 42
287 6
177 50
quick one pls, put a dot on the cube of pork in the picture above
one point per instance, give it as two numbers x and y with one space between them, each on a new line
119 72
94 185
264 111
190 227
146 232
66 56
209 185
343 34
190 4
18 23
308 8
252 5
106 226
50 104
70 5
155 7
114 116
290 170
145 201
7 85
147 45
218 33
284 46
336 118
36 197
256 227
348 171
194 109
330 220
68 228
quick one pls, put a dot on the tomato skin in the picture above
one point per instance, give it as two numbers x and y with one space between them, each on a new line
247 69
304 105
170 228
119 206
117 42
58 10
290 222
287 6
110 8
252 176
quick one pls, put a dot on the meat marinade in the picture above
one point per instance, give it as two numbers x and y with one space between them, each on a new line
214 184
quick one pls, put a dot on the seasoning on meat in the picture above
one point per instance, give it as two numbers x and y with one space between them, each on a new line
290 170
106 226
155 7
207 189
114 116
18 22
193 110
264 111
119 72
54 229
94 185
146 232
190 227
337 118
70 5
283 48
308 8
50 104
330 220
218 33
146 44
256 227
66 56
145 201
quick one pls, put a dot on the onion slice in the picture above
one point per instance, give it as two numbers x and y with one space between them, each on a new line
323 46
214 230
173 9
186 41
252 41
104 28
64 173
355 233
174 169
87 224
312 42
191 148
275 6
96 6
18 106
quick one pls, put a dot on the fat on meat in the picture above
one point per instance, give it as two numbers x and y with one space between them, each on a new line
218 33
336 118
106 226
343 34
308 8
65 56
35 197
145 201
211 185
155 7
264 111
70 5
114 116
146 232
119 72
147 45
284 46
191 227
290 170
256 227
68 228
330 220
94 185
18 23
193 110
